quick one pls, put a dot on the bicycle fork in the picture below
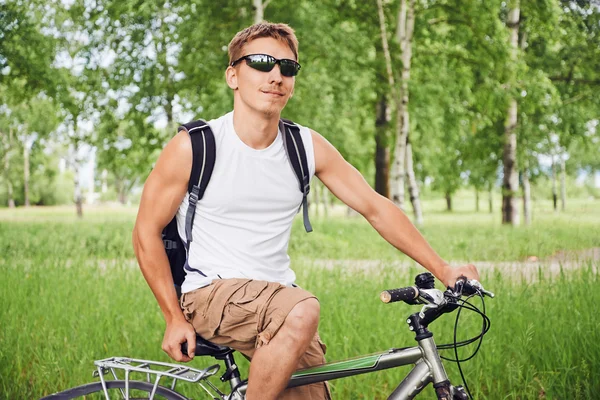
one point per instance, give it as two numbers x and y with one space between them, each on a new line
429 369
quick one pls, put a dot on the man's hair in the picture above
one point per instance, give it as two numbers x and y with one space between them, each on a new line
281 32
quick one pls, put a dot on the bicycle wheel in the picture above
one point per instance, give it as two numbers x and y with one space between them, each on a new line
116 389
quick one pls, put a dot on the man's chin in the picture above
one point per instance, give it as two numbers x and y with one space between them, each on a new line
271 110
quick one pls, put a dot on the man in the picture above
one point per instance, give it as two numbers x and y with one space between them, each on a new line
241 293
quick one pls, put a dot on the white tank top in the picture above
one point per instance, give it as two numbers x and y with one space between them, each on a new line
243 223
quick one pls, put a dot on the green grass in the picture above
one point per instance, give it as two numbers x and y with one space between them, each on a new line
461 235
70 295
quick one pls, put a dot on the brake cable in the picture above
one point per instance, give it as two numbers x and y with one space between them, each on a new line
486 323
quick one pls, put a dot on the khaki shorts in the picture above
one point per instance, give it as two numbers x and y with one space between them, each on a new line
243 314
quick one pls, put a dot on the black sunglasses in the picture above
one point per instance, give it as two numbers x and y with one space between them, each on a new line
265 63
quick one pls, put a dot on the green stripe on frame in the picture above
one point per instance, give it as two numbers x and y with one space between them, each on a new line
355 363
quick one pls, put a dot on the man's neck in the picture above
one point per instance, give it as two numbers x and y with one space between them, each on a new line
254 129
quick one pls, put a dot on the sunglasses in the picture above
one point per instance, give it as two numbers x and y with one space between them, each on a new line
265 63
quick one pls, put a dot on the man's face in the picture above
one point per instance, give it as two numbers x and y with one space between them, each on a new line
265 92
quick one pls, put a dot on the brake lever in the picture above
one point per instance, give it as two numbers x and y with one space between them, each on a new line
479 288
472 286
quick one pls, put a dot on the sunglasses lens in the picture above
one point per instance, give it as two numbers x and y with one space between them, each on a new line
265 63
289 67
261 62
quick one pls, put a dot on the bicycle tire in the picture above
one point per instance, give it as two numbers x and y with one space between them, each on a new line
96 387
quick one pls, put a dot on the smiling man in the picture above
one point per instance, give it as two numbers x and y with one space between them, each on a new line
240 290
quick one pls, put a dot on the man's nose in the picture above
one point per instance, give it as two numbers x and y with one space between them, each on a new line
275 75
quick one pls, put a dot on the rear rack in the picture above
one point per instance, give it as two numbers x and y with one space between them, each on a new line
149 368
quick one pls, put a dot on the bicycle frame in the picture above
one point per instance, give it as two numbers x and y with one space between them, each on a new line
428 368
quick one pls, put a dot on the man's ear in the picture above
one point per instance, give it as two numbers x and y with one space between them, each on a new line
231 77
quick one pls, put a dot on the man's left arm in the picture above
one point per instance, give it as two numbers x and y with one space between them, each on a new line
348 185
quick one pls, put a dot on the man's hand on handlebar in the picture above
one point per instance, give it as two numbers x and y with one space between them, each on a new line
451 274
177 332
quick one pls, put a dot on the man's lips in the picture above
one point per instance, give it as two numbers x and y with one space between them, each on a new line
272 92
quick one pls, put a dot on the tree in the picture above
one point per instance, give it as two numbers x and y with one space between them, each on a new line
26 55
510 182
26 81
129 161
404 37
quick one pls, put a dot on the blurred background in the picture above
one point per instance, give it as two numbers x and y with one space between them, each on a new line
425 98
479 118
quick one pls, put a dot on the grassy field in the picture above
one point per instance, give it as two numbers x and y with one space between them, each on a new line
70 294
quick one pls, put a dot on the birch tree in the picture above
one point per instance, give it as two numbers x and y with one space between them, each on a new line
404 35
7 140
403 163
259 10
510 181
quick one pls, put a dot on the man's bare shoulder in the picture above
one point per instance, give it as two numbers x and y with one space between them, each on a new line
175 161
324 151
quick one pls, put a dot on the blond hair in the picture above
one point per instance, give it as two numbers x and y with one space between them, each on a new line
281 32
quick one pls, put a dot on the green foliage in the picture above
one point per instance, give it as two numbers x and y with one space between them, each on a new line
134 69
26 54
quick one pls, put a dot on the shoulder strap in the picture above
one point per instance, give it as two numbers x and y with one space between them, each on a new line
203 162
294 147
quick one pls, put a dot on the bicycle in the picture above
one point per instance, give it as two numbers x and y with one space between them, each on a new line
428 367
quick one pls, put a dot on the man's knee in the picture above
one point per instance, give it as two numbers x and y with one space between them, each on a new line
304 317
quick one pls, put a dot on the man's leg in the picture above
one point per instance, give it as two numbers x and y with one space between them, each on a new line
273 363
248 315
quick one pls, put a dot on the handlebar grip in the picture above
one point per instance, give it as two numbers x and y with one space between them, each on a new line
406 294
184 348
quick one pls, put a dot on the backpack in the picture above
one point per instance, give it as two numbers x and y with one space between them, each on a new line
204 154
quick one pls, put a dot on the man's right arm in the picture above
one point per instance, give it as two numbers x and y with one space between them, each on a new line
163 192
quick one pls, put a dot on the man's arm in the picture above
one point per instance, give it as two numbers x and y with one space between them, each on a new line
163 192
348 185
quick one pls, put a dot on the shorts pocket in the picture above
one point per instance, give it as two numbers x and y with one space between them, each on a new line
193 304
187 307
242 304
249 292
240 315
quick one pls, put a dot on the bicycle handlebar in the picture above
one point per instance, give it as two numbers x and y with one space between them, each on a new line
406 294
415 295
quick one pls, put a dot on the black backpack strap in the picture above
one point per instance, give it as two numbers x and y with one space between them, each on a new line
203 162
294 147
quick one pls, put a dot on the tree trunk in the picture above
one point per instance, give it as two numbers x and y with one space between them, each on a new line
9 188
490 198
78 198
120 186
563 183
326 201
26 170
510 212
122 196
315 191
382 151
510 184
526 197
476 200
413 187
404 34
90 198
259 11
554 193
448 201
104 181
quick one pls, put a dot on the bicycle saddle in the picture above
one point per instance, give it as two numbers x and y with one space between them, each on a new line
206 348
